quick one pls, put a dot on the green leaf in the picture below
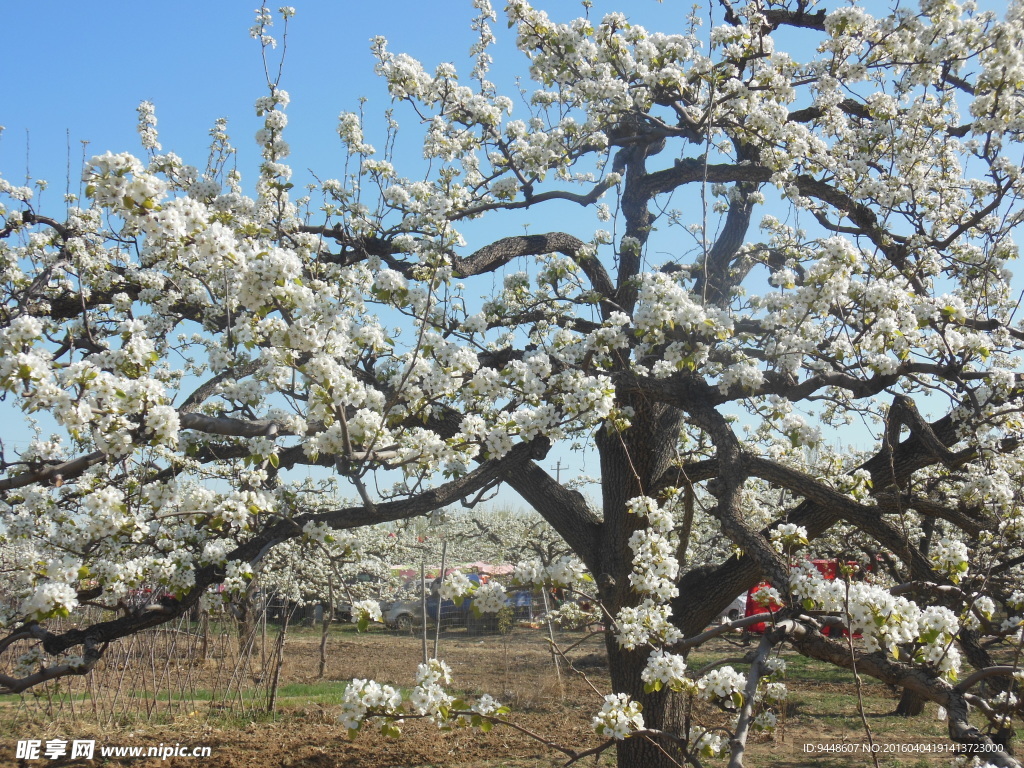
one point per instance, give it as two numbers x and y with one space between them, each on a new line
930 636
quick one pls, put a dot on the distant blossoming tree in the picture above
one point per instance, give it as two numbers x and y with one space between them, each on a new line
838 252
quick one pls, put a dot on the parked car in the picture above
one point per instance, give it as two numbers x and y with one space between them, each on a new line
734 610
403 615
406 614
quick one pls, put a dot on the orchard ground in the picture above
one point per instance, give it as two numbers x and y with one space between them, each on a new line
518 669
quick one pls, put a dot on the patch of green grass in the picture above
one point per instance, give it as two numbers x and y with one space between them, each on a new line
323 692
800 669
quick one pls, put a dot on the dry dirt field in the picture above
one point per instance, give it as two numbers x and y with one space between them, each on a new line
517 669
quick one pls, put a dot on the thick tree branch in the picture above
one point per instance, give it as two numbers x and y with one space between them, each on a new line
565 510
500 252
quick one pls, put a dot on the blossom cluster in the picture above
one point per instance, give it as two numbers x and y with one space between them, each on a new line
365 699
950 557
723 683
655 566
489 598
455 585
618 717
886 621
364 611
429 696
664 669
788 536
365 696
644 624
565 571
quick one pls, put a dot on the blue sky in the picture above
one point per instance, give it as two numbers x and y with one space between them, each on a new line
83 68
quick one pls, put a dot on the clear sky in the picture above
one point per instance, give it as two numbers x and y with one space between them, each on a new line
84 67
77 71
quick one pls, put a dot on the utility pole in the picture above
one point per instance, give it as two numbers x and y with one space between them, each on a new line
558 471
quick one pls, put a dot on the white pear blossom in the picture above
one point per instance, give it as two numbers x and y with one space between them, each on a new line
618 717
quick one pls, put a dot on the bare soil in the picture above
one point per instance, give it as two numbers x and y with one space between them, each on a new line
517 669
